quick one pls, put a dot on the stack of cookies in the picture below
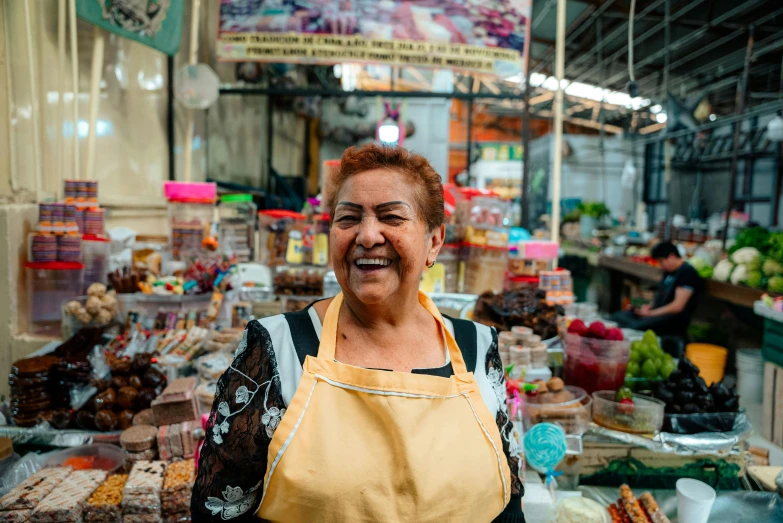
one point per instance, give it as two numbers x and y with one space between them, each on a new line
139 443
67 502
17 505
30 395
177 490
104 504
141 495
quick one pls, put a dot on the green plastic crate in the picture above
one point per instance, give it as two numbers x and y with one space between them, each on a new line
772 348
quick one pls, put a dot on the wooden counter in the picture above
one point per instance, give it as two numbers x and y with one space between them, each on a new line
734 294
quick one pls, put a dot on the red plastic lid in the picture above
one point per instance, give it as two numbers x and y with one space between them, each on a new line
471 192
280 214
55 266
524 279
95 238
452 245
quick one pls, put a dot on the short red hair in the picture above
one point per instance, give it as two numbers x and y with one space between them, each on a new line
429 195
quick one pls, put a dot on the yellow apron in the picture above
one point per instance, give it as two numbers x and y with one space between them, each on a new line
361 445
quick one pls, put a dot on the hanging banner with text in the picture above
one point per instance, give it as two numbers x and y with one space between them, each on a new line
487 36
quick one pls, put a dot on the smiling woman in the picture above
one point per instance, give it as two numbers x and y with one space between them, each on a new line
373 388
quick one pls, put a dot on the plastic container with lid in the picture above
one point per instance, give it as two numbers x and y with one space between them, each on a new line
485 268
190 222
449 256
299 281
96 251
645 416
237 228
570 408
595 364
275 227
48 286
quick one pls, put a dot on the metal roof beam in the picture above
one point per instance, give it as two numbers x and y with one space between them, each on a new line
617 32
690 37
707 48
578 26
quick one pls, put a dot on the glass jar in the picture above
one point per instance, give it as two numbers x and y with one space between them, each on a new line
237 229
190 222
281 237
485 268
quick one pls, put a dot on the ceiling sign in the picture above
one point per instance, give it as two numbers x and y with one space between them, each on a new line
488 36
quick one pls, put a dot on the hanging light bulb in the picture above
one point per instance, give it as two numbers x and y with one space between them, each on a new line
389 132
775 129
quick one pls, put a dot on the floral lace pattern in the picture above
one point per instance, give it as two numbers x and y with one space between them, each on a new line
235 502
248 408
510 446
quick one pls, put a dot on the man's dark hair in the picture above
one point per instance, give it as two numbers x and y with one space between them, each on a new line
663 250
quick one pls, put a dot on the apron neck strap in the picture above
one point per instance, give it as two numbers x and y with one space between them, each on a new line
328 343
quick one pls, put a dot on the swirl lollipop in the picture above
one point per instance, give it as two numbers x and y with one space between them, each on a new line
545 448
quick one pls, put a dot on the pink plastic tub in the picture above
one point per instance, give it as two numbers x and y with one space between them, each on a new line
190 191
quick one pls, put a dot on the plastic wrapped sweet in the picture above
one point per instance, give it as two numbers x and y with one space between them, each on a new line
106 420
66 503
178 487
104 504
141 495
29 493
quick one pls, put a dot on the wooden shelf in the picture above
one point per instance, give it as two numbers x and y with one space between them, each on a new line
735 294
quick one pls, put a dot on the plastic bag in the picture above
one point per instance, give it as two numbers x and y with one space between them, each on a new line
697 423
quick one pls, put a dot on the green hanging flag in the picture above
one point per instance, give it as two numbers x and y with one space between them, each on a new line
155 23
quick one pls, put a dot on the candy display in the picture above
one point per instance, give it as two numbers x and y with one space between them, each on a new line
630 509
299 281
139 438
141 495
98 308
520 307
104 504
67 502
30 392
29 493
177 403
177 487
43 248
555 402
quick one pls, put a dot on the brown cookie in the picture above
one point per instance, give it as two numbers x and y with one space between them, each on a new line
29 395
144 417
18 381
30 407
34 367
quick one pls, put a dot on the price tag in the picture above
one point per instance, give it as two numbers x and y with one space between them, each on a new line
321 250
434 279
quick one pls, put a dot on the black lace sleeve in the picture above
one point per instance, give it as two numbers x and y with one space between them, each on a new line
248 406
494 366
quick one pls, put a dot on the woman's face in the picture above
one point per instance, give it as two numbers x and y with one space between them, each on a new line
379 243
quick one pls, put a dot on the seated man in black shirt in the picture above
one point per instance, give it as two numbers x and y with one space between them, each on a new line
675 300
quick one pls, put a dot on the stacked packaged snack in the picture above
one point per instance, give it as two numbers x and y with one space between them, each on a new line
19 503
177 403
104 504
141 495
177 490
66 504
140 443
